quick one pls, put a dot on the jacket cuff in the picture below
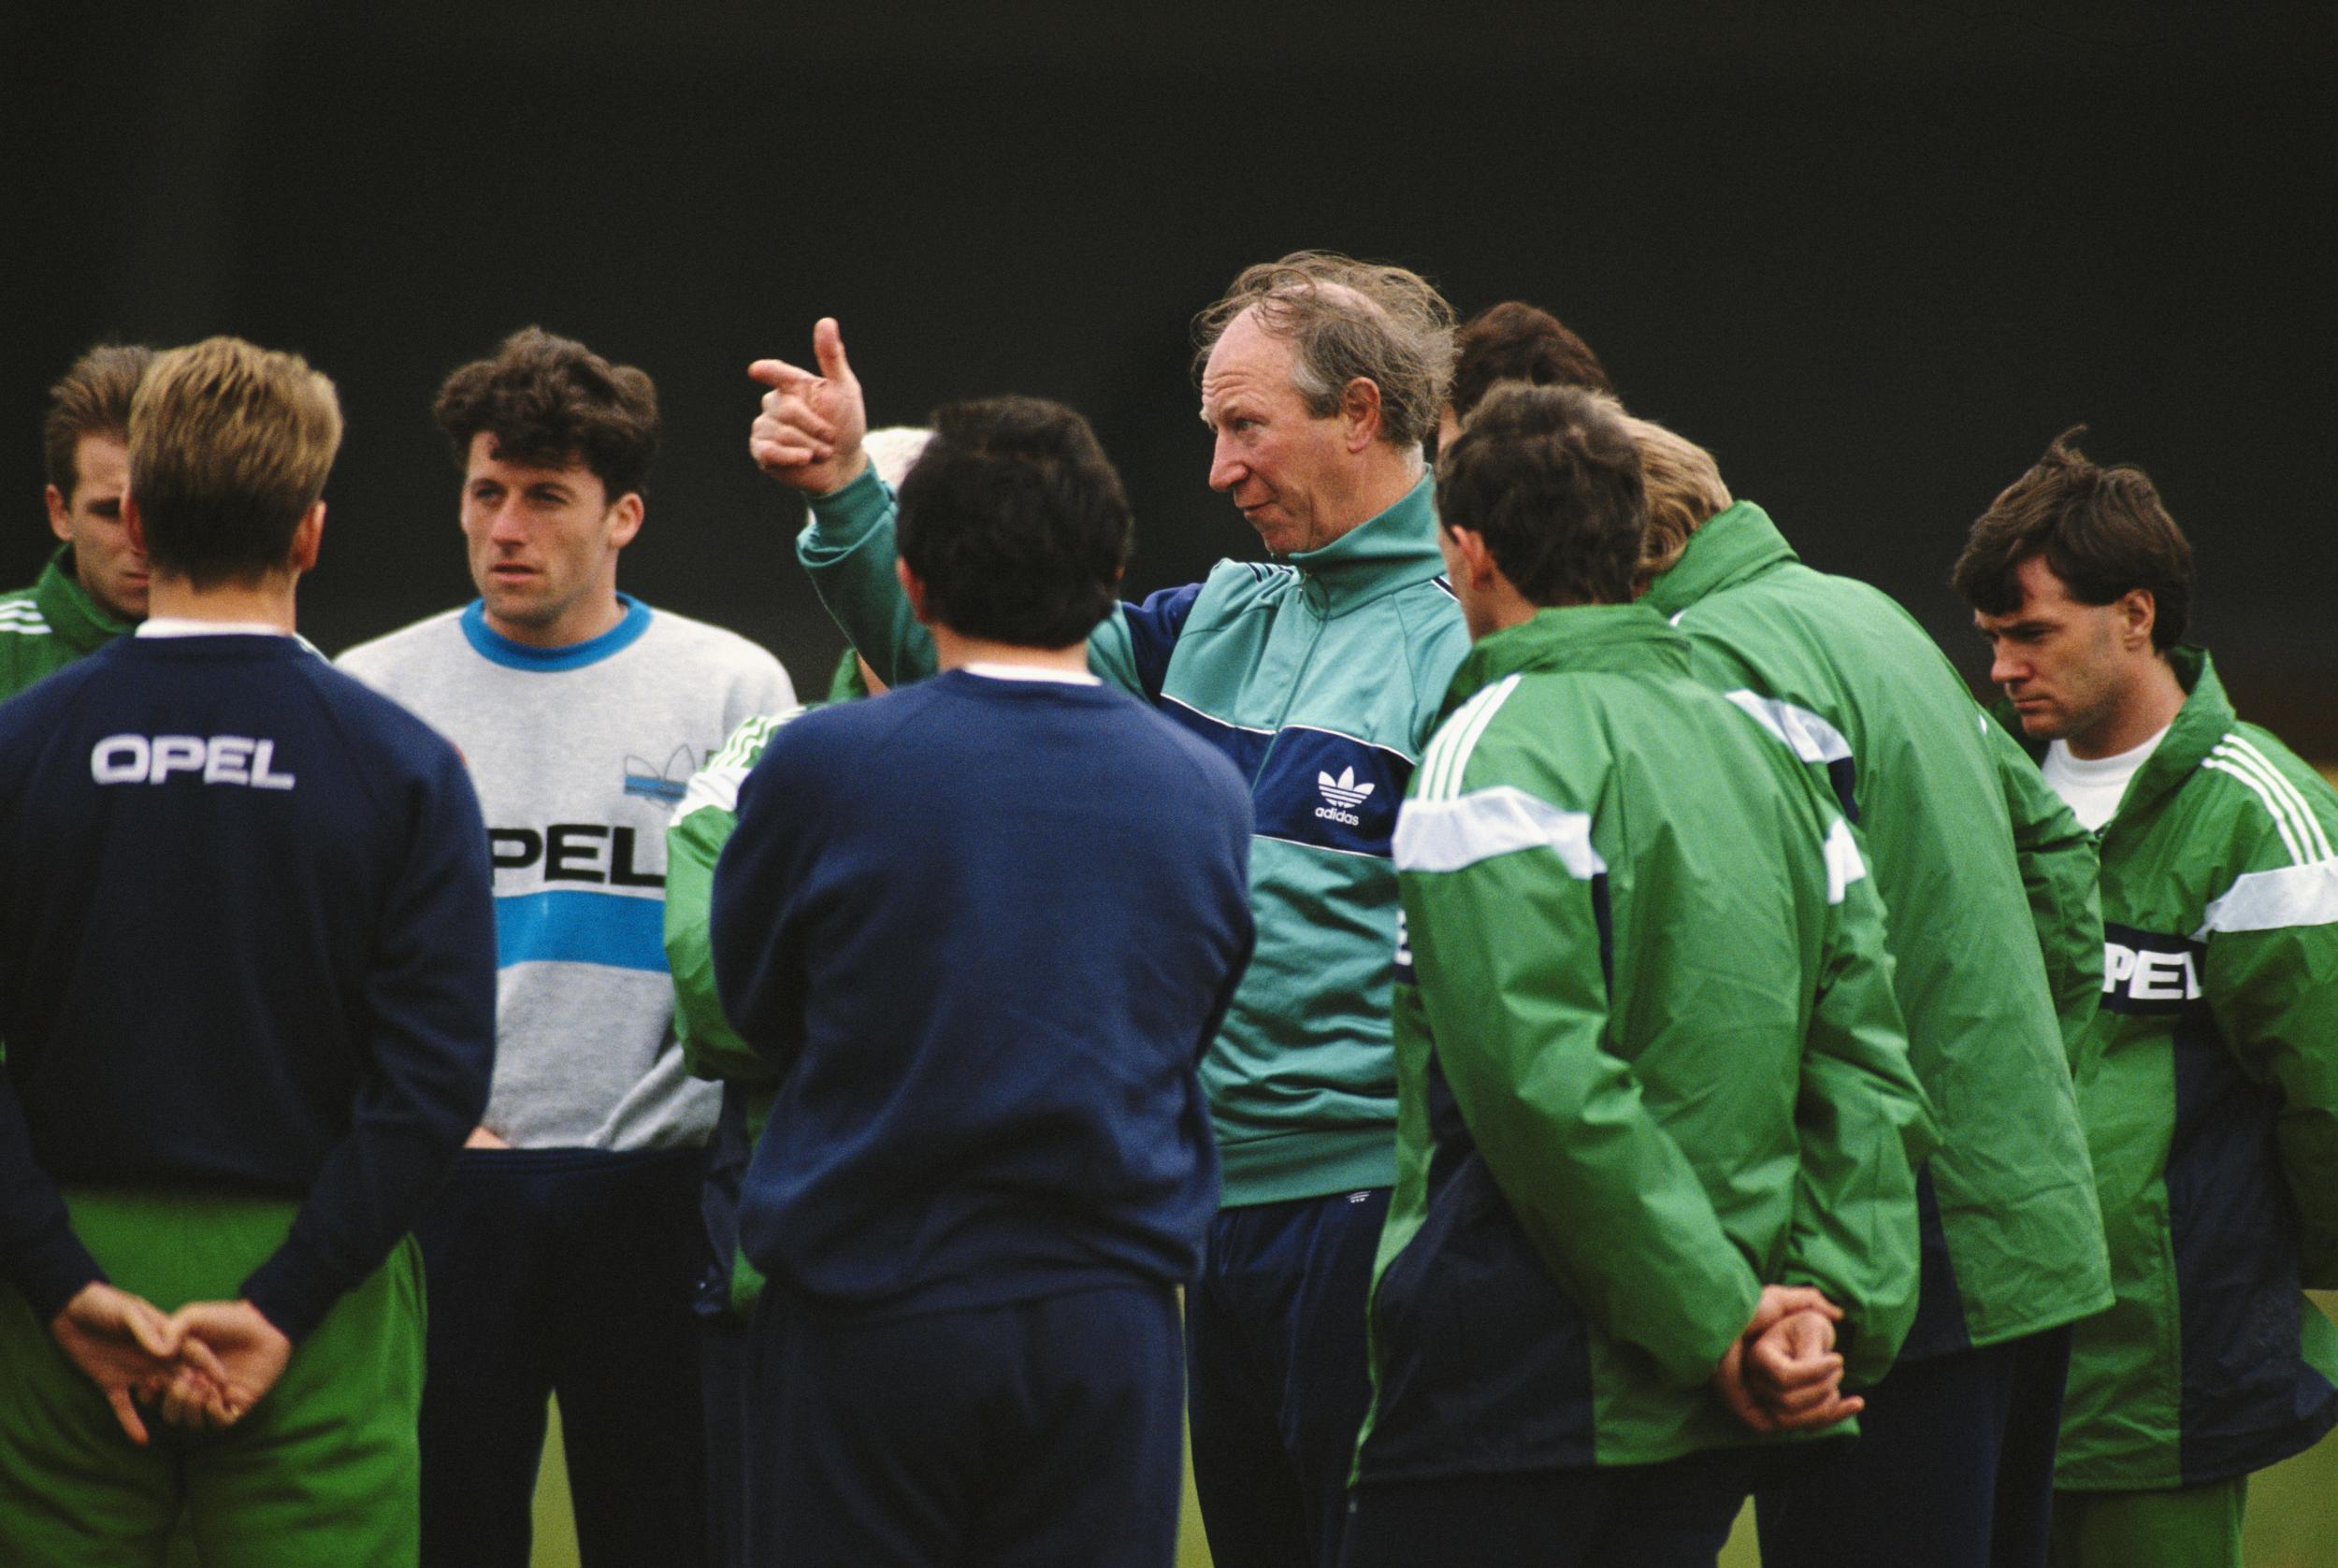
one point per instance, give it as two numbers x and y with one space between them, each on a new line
843 518
54 1272
284 1294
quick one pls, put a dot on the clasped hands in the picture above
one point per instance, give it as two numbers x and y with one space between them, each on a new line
1783 1372
205 1365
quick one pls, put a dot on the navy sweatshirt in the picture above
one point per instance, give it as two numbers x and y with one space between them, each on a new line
983 927
246 946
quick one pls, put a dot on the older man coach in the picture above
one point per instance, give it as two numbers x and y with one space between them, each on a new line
1319 674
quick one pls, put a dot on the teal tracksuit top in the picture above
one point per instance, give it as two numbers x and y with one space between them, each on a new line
1320 676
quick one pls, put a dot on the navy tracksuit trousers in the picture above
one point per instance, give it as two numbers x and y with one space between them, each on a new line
1954 1467
569 1272
1042 1433
1275 1334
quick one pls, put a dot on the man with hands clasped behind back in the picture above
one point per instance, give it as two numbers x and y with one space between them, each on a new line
298 870
1657 1129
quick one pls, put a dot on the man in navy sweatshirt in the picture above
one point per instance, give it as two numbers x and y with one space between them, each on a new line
983 926
247 981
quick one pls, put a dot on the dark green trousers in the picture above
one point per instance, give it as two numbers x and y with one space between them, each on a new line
324 1470
2189 1527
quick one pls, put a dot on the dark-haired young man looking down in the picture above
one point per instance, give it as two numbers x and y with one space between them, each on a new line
2209 1089
983 926
1657 1127
246 986
566 1252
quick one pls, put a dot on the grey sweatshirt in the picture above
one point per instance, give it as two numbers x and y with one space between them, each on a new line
578 754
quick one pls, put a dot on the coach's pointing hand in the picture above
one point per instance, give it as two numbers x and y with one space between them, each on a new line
808 436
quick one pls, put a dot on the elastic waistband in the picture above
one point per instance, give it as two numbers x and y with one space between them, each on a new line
1311 1162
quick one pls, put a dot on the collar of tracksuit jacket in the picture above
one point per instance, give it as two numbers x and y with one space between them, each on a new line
1735 543
1394 549
74 617
2199 724
1581 637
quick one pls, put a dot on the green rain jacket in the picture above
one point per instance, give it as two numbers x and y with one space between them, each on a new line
1984 873
1648 1061
48 626
1320 676
2211 1101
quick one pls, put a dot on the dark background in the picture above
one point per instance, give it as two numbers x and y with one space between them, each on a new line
1873 254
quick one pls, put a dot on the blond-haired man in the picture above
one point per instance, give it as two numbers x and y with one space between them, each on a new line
240 1131
1989 888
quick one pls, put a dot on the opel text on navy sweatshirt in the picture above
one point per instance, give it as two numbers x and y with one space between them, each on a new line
985 929
246 946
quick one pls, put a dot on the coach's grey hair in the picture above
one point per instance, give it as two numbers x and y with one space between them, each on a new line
1344 319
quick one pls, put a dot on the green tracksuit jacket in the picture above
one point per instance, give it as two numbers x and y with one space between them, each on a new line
48 626
1955 820
1647 1059
1320 676
711 1048
2209 1095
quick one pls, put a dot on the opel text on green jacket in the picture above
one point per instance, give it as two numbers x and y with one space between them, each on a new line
1320 676
2211 1101
48 626
1842 675
1649 1061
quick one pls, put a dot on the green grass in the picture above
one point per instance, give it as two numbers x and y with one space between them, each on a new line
2292 1516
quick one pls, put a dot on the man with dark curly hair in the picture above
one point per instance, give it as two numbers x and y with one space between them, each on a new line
566 1251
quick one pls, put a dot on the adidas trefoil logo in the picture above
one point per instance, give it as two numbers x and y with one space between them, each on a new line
1344 794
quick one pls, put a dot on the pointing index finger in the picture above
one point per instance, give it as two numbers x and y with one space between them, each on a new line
779 375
